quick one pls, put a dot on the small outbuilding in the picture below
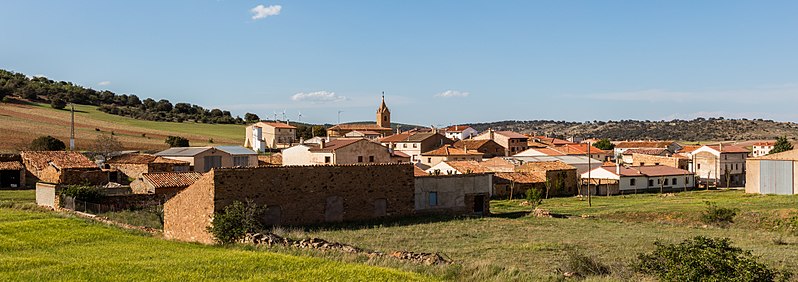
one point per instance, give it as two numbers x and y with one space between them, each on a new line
773 174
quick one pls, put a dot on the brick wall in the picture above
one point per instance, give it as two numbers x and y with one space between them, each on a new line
293 196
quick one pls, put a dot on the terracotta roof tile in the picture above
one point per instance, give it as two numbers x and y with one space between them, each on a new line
171 179
417 171
647 151
467 166
12 165
410 137
545 166
448 150
457 128
61 159
337 144
729 149
360 126
522 177
472 144
769 143
550 140
275 124
579 149
511 134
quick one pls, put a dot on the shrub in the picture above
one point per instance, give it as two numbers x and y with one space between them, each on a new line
718 216
177 141
534 197
58 103
236 221
83 193
47 143
704 259
577 262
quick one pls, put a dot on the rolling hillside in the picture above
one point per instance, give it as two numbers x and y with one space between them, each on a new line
21 122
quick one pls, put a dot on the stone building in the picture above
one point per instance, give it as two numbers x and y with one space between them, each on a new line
721 165
164 183
453 194
488 148
382 126
512 142
293 195
449 153
134 165
12 173
203 159
415 143
61 167
338 151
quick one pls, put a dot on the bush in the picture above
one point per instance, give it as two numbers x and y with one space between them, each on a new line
236 221
534 197
718 216
177 141
47 143
704 259
83 193
58 103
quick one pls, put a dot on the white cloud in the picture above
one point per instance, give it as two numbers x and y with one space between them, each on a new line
104 83
317 97
260 11
452 93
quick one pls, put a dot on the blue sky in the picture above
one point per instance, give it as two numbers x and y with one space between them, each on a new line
439 62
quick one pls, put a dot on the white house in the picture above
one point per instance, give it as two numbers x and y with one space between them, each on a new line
762 148
460 132
642 178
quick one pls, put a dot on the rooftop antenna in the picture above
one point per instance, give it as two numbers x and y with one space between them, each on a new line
72 128
339 116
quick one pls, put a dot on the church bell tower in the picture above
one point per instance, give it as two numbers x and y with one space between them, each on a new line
383 114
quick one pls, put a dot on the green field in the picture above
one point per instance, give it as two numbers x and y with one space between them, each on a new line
40 245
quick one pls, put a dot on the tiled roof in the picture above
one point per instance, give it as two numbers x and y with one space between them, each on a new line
409 137
61 159
275 125
510 134
473 144
647 151
143 159
12 165
182 151
522 177
337 144
417 171
448 150
535 144
551 140
400 154
359 126
497 165
643 144
579 149
689 148
366 132
729 149
769 143
467 166
171 179
650 171
457 128
545 166
162 160
274 159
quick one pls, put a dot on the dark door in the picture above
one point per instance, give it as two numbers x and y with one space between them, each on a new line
479 203
9 177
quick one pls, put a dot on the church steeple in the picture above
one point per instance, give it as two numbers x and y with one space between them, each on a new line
383 114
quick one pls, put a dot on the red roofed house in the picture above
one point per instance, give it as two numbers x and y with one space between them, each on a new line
449 153
415 143
460 132
629 179
338 151
264 135
512 142
762 148
61 167
134 165
488 148
721 165
164 183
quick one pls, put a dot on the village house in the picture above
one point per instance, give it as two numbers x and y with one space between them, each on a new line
488 148
269 135
415 143
366 134
453 194
203 159
339 151
449 153
460 132
61 167
560 178
293 196
721 165
773 174
582 150
762 148
132 166
512 142
621 147
627 155
12 173
538 152
677 161
382 126
166 184
581 163
536 141
633 179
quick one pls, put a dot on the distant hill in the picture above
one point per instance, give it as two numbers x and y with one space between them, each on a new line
700 129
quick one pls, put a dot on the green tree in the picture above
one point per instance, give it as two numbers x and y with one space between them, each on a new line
236 221
604 144
177 141
250 117
781 145
58 103
47 143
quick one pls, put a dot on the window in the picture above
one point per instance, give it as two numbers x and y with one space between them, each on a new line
360 159
736 166
651 182
686 180
673 182
666 181
429 160
404 145
656 163
414 145
327 159
632 182
699 166
433 198
240 161
371 159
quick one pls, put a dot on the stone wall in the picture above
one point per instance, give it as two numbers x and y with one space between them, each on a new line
299 195
643 159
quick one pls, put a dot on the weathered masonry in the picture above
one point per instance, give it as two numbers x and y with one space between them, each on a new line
293 195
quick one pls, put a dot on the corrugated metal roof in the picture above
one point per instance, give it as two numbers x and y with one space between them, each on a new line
235 150
182 151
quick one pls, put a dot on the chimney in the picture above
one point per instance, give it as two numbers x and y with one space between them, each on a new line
617 169
490 133
321 143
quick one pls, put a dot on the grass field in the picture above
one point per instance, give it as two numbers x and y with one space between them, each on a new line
511 245
41 246
22 123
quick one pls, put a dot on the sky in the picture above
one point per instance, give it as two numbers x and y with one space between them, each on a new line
438 62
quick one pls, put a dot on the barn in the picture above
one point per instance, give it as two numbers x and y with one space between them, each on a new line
773 174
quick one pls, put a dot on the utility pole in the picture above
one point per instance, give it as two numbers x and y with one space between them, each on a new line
589 168
72 129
